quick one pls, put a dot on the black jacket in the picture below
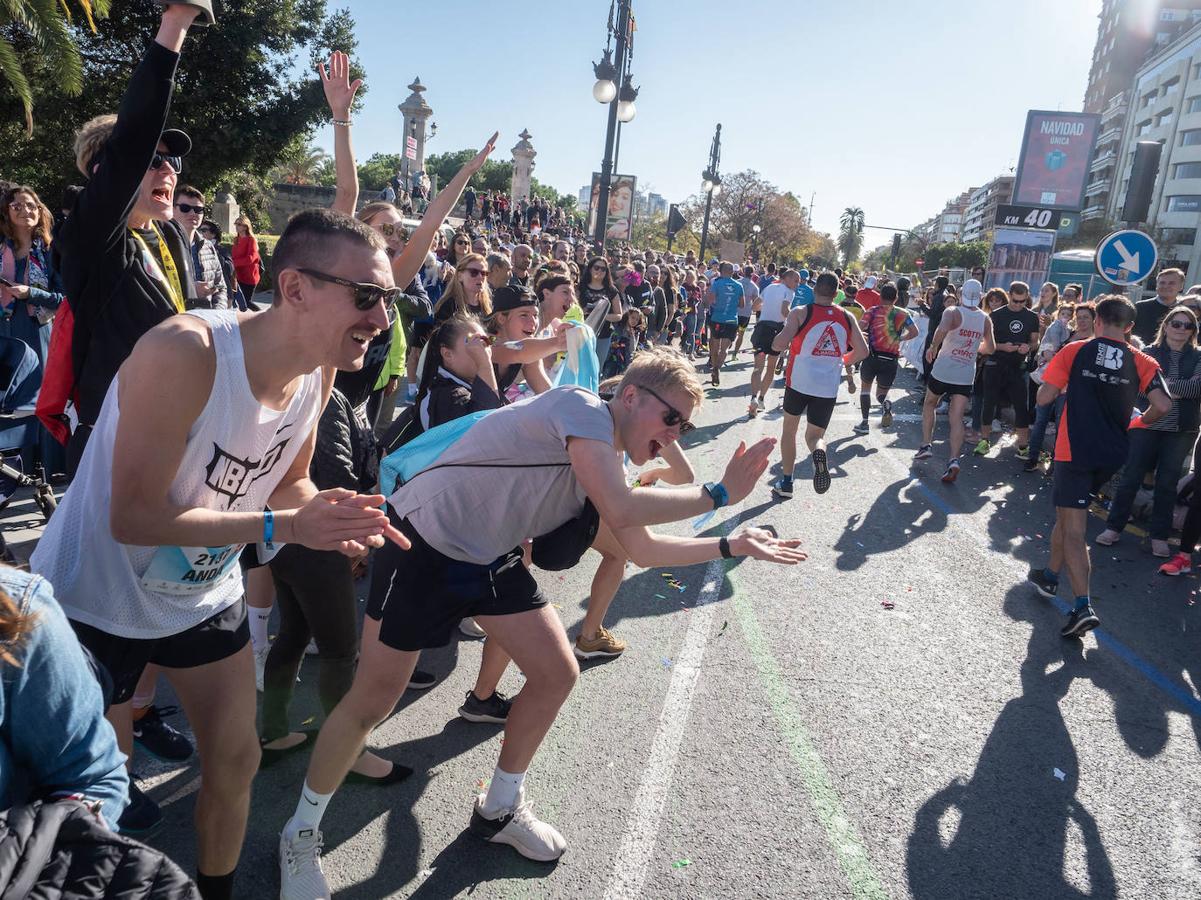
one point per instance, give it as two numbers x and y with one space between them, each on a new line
61 850
114 299
345 454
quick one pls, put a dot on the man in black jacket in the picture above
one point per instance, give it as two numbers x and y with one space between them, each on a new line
126 265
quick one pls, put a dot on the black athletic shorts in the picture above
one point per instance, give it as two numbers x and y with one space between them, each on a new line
725 331
249 558
1075 484
125 658
942 389
880 368
419 595
743 321
763 335
817 410
1006 384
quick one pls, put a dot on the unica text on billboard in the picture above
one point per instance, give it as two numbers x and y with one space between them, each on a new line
1057 150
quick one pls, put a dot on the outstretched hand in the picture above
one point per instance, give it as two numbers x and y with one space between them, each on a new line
335 81
759 543
478 163
746 467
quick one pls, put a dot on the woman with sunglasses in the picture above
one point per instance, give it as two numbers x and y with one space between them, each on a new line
1163 445
518 351
467 293
457 249
246 261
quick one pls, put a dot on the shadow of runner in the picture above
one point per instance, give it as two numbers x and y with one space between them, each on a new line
901 513
1004 832
468 863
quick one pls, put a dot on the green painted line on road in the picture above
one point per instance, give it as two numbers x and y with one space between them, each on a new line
840 831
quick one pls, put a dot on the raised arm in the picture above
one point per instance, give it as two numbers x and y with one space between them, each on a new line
409 263
339 94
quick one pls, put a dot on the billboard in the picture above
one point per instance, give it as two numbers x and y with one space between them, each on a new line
1057 150
1019 254
620 221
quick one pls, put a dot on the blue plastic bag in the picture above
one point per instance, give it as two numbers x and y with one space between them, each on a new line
580 366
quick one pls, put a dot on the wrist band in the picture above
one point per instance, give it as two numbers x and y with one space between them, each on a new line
268 528
724 546
345 123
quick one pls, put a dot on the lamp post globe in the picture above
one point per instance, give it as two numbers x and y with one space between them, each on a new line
626 111
604 90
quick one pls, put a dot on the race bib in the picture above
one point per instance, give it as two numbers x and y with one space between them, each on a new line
184 571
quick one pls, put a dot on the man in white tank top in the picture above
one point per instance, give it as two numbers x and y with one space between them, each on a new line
202 446
962 335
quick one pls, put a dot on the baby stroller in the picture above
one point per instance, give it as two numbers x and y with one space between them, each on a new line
20 380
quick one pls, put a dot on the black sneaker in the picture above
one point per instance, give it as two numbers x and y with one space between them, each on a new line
421 681
142 814
158 738
1042 583
1030 465
861 428
494 710
1080 622
821 472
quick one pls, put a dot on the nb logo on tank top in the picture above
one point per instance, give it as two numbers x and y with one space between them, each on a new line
231 477
827 344
1110 357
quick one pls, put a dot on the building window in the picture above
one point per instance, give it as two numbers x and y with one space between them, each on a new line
1172 85
1184 203
1196 70
1191 138
1187 170
1180 236
1164 118
1194 104
1142 127
1146 99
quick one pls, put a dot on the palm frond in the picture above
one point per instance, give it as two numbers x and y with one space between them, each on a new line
10 68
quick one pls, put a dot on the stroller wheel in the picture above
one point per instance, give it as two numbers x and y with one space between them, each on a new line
46 501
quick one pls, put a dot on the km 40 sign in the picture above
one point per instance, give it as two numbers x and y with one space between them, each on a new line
1028 217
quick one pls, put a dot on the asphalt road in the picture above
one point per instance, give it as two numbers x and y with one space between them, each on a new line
778 732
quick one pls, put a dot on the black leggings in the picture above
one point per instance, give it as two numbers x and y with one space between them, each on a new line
314 591
247 294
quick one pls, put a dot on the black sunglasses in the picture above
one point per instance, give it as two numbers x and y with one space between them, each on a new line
175 162
365 295
1181 324
672 417
189 208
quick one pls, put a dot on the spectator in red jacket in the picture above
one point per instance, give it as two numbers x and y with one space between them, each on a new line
246 260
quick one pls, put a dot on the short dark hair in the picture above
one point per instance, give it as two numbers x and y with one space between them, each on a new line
1116 311
311 239
826 285
210 225
889 292
186 190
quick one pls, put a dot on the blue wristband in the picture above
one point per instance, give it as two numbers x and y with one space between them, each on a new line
718 493
268 528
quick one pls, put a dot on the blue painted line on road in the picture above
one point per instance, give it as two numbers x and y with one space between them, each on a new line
1172 688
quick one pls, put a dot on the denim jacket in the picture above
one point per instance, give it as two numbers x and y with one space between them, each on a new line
54 738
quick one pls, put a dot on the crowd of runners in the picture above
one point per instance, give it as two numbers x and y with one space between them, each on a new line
227 462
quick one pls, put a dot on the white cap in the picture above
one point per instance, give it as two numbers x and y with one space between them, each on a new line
970 293
869 282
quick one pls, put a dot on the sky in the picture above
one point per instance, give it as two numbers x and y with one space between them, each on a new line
892 107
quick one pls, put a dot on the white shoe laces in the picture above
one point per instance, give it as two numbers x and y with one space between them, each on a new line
303 855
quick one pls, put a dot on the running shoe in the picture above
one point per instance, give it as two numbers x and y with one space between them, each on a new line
1046 586
494 710
1108 537
886 416
821 472
158 738
1030 465
142 814
952 472
260 665
1160 548
470 628
300 873
1080 622
983 447
421 681
604 645
1023 452
752 409
520 829
861 428
925 451
782 486
716 377
1180 564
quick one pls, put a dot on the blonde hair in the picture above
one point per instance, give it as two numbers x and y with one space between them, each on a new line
90 139
661 369
242 220
456 296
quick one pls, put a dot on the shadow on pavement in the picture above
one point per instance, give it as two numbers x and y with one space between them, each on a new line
465 865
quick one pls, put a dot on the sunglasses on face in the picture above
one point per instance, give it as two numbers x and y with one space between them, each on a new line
671 416
365 295
486 339
474 272
175 162
1183 325
388 229
462 244
19 205
189 208
600 268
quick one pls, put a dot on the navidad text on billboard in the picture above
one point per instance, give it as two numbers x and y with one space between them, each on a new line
1057 150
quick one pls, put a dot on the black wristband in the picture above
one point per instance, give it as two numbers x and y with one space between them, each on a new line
723 545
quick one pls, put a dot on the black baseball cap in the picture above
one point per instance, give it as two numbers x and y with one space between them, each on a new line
512 296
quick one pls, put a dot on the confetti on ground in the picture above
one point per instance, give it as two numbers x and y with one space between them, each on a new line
887 604
660 596
1060 774
724 626
557 605
860 543
666 663
667 575
309 720
681 863
481 784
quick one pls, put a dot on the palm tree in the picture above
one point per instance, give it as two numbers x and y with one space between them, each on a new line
301 166
48 23
850 235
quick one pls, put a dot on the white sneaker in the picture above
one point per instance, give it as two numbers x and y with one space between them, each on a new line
469 628
520 829
300 873
260 665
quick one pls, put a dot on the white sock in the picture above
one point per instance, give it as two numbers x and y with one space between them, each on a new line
502 792
258 625
309 811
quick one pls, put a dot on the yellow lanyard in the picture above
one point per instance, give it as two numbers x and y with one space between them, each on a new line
166 273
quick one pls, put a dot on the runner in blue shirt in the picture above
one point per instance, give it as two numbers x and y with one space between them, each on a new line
803 295
723 299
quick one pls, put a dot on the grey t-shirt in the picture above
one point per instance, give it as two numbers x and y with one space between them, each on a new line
750 293
478 514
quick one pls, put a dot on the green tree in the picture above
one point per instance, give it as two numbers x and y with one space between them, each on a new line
375 172
245 91
300 164
850 234
43 28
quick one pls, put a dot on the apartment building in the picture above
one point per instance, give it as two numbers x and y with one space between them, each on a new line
981 211
1127 31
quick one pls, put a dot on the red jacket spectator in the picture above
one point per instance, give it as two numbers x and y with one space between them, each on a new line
246 259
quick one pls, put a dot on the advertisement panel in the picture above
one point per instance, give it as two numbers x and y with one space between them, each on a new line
620 220
1057 150
1019 254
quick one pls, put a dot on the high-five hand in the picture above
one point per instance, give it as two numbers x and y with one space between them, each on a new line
760 543
335 81
746 467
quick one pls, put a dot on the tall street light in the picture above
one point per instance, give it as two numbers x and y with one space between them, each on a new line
614 87
711 185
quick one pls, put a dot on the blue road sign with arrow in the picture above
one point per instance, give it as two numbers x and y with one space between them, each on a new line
1126 257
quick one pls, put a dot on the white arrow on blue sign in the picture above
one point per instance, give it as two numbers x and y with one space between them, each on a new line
1126 257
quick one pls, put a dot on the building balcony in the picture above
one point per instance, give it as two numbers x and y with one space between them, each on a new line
1097 188
1109 135
1114 111
1096 211
1101 160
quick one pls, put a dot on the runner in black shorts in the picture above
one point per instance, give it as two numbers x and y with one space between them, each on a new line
817 410
1103 378
1016 330
772 305
886 326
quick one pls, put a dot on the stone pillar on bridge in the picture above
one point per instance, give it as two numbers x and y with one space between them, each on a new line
416 113
523 167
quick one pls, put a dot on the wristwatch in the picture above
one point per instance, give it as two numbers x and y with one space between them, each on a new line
723 545
717 493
